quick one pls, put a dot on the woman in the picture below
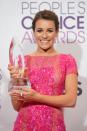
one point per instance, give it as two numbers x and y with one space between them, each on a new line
53 78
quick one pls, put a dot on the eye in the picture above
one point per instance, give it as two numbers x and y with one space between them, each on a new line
39 30
50 30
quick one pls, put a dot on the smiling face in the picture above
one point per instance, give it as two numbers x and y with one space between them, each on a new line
45 34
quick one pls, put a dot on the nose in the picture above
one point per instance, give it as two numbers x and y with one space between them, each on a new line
44 35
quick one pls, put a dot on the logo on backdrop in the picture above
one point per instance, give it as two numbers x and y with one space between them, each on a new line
71 17
79 92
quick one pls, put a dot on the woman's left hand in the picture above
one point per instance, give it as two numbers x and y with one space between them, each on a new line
28 94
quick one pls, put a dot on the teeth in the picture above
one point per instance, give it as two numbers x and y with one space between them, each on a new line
44 41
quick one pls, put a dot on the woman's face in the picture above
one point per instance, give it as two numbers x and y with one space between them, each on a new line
45 33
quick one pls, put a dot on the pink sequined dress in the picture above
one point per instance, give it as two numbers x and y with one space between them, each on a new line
47 75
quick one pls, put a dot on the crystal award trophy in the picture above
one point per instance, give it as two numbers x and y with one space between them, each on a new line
16 58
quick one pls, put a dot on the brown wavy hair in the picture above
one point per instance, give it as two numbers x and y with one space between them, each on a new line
47 15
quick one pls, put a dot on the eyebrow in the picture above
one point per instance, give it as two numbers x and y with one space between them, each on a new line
47 28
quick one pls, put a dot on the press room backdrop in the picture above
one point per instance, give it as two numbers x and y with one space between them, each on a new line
15 22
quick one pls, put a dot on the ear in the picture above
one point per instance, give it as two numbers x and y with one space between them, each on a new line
33 32
56 36
57 33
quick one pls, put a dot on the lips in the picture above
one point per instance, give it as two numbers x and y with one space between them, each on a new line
44 41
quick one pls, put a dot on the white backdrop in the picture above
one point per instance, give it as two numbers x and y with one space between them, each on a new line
15 21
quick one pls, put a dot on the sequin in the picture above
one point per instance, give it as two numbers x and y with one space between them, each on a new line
47 76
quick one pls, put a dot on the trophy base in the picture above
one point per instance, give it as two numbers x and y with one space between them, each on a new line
22 83
26 86
18 87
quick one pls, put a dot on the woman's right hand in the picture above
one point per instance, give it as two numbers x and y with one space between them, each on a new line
16 99
14 71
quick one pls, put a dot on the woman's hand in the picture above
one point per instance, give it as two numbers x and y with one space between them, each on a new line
14 71
15 75
16 95
28 94
17 99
